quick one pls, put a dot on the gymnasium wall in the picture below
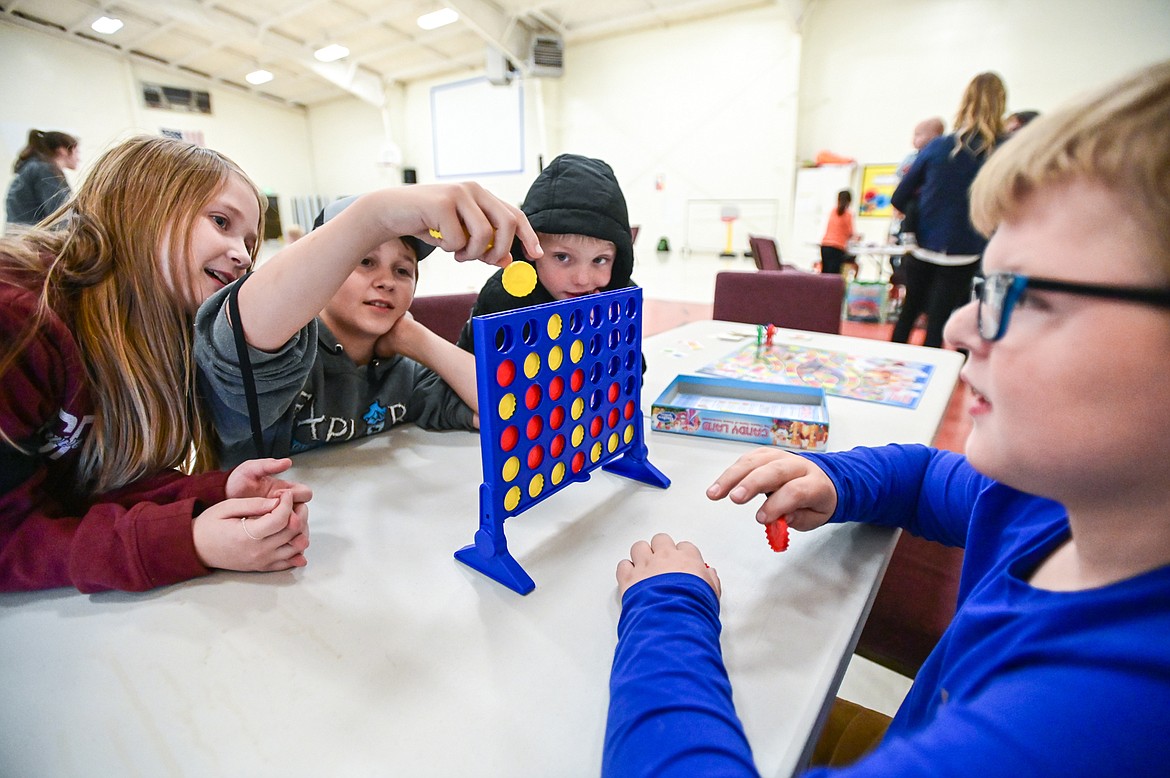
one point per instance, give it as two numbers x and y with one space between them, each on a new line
691 116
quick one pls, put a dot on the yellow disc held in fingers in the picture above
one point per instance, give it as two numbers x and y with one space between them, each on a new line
519 279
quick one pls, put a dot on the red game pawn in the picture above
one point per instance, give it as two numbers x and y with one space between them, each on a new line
777 533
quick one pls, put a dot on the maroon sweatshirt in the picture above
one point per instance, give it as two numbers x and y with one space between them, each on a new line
51 533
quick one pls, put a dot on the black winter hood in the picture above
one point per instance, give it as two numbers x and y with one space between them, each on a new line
578 195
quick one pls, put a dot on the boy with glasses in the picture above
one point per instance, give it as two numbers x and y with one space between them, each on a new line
1056 663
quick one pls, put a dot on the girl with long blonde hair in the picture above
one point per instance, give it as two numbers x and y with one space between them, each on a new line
107 450
940 267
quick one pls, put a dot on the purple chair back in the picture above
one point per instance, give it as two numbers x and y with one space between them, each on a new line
801 301
444 314
764 252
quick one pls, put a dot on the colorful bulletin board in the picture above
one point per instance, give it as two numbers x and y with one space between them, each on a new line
878 183
559 388
871 379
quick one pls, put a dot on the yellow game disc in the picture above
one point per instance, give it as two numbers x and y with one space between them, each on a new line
578 434
507 406
558 472
532 365
555 357
439 236
519 279
576 351
613 442
595 452
554 326
511 468
577 409
536 486
628 435
512 498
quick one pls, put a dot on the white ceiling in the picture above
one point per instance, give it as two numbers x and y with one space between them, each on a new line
220 41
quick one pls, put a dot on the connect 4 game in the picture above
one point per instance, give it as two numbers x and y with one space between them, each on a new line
559 396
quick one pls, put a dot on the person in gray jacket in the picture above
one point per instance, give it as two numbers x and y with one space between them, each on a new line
39 187
363 364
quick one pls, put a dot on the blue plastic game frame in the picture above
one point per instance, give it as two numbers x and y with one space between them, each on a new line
559 388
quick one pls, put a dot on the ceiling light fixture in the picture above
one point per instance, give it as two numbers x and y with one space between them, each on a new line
106 25
437 19
331 53
258 77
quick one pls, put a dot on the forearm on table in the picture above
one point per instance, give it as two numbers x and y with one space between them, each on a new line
670 710
454 365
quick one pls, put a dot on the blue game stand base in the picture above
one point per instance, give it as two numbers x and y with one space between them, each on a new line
501 567
636 467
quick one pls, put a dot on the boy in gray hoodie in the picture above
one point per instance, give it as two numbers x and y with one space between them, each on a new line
331 352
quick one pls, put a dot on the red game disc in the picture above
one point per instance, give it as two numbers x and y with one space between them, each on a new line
506 373
777 533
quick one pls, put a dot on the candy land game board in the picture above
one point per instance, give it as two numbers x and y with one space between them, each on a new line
872 379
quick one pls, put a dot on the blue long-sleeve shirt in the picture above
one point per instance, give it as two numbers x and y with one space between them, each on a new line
1024 681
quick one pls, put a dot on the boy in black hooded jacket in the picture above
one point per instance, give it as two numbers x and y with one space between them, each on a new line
579 213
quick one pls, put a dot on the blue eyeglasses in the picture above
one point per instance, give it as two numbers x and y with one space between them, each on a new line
998 293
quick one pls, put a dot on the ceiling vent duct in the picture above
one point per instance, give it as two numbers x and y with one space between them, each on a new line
547 55
175 98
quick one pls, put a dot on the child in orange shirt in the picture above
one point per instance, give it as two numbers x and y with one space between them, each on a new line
838 233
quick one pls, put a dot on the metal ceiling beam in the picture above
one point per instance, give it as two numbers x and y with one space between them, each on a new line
499 30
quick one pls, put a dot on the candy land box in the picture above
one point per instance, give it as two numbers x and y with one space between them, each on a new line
768 414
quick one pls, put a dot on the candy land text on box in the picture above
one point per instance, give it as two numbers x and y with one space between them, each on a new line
769 414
